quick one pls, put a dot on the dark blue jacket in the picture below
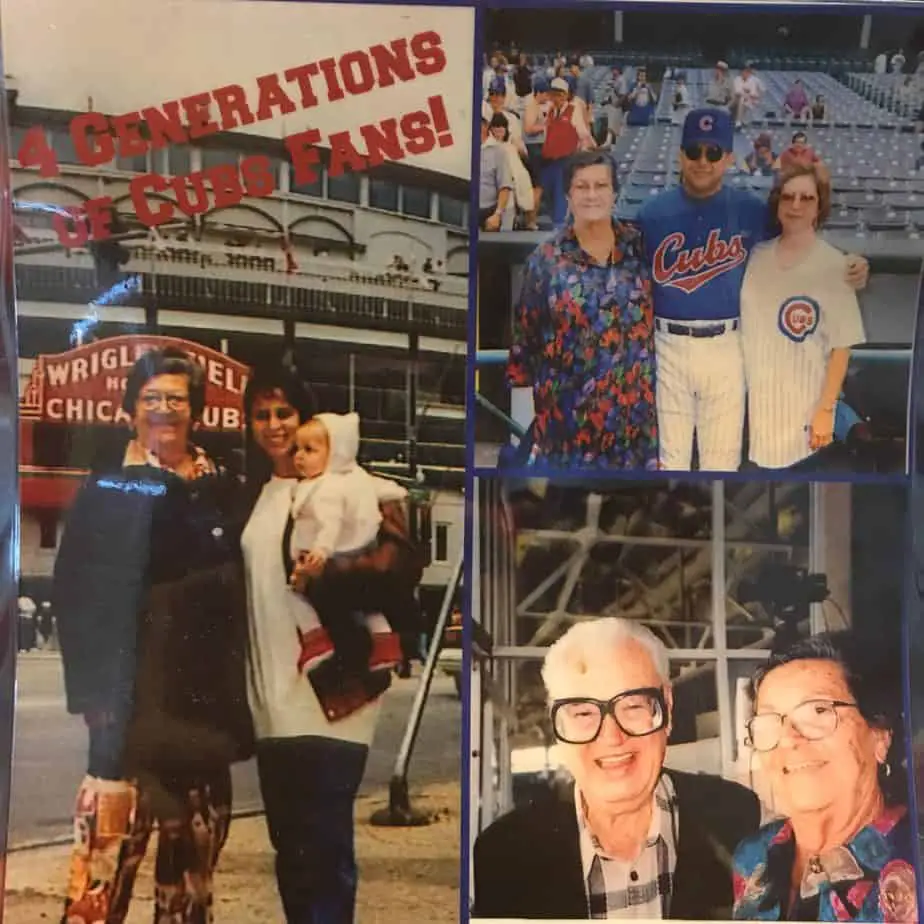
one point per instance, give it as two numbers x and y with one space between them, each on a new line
151 609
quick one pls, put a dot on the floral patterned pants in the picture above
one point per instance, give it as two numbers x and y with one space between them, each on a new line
113 824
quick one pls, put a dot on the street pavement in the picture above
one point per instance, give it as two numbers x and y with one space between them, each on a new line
50 750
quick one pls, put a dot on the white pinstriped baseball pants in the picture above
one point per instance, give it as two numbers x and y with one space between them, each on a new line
701 390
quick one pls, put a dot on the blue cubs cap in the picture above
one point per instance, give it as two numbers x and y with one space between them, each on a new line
709 126
541 85
497 87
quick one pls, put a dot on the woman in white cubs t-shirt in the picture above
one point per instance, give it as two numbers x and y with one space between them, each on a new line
799 320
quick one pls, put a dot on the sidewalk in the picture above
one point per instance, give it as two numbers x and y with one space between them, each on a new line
405 874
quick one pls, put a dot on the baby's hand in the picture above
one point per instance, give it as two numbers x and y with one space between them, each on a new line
308 565
315 560
300 576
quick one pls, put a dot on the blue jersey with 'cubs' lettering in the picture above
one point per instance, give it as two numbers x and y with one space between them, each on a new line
698 249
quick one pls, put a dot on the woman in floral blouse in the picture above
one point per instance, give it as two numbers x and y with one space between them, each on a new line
827 729
583 334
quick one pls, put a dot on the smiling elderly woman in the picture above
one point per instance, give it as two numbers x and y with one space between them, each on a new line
149 604
827 728
629 839
583 339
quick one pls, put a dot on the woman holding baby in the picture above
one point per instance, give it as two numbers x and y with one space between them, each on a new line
313 731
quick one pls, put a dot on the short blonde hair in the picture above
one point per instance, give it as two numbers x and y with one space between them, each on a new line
312 424
593 642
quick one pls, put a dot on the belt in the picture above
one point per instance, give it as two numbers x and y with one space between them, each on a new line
686 330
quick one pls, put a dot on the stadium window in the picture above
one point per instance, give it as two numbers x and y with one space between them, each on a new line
344 188
452 211
17 134
179 160
137 164
276 165
441 542
213 157
383 194
63 146
415 202
315 189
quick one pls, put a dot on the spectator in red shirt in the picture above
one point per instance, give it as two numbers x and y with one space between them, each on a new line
798 153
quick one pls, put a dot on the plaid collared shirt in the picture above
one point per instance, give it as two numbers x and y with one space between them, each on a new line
617 889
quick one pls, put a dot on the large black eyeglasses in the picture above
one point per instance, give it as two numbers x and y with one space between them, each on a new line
578 720
813 719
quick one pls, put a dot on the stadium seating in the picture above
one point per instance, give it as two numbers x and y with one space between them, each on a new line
895 92
867 143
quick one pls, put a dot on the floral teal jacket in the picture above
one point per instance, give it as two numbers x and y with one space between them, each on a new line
874 879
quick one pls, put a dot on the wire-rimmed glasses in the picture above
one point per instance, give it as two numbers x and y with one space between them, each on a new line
639 712
813 719
152 400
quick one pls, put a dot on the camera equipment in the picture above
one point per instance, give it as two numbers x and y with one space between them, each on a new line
786 592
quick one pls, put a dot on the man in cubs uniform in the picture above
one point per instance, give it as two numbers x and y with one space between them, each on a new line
697 238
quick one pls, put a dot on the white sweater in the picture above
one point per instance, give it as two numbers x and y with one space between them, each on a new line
282 701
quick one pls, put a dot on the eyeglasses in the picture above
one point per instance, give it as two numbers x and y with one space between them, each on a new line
579 720
712 151
814 719
790 197
152 400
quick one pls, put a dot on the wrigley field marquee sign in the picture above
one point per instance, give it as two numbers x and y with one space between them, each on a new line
85 386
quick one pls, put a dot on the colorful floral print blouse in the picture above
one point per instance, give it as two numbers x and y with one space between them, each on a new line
584 341
869 879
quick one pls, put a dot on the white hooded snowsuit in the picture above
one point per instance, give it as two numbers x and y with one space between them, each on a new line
337 512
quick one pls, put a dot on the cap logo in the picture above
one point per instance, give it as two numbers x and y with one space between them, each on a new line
707 123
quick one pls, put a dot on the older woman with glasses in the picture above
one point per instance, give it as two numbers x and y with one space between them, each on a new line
827 729
629 839
149 603
799 320
583 340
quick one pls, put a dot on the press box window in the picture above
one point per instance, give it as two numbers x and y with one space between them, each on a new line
383 194
415 201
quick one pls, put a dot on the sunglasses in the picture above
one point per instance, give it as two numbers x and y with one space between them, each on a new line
712 151
791 197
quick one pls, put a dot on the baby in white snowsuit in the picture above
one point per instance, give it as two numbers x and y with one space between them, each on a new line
336 512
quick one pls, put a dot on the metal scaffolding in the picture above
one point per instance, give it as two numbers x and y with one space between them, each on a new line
521 621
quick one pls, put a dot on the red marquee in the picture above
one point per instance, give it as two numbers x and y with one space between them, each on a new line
84 386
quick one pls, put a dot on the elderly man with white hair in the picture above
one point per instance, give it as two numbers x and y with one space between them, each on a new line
630 839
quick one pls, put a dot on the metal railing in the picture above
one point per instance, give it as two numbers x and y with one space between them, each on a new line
399 812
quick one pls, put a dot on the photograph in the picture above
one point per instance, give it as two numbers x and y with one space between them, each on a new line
688 702
242 316
700 239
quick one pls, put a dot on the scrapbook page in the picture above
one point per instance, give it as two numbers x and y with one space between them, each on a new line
241 257
461 461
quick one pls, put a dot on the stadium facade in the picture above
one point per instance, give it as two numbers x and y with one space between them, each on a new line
362 278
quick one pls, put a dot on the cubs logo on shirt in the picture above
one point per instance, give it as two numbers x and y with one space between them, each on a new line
798 318
690 268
